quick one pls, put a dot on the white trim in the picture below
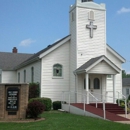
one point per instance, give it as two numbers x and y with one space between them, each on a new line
108 62
116 54
55 47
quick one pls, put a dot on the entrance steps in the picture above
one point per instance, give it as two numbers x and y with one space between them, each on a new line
111 110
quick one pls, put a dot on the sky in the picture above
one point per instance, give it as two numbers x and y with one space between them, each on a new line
31 25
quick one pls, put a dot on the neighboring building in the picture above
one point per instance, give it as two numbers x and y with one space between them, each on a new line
81 61
126 86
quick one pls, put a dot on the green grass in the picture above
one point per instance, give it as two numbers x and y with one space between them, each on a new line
64 121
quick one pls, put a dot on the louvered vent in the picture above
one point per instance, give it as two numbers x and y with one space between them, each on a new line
91 15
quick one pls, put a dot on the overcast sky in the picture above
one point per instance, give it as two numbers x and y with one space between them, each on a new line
31 25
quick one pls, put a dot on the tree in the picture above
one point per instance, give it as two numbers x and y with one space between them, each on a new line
124 75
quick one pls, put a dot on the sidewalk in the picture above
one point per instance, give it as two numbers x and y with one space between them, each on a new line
124 122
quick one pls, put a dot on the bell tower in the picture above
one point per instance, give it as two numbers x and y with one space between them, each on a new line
88 30
88 34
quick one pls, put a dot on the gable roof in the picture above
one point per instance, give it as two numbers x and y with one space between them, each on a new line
126 81
36 56
94 61
9 60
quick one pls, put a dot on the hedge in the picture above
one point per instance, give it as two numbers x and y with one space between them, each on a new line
56 105
46 101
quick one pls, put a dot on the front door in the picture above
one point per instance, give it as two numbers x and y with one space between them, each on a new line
95 87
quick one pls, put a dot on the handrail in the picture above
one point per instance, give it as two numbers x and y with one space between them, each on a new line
94 97
125 100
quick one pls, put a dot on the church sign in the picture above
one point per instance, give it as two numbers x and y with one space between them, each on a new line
12 99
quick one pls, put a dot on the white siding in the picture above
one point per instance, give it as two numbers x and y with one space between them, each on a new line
9 77
37 73
102 68
118 63
53 87
90 47
73 49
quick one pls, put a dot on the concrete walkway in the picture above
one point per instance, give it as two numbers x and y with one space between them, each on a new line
124 122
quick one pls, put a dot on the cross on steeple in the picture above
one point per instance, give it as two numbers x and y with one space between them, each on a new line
91 27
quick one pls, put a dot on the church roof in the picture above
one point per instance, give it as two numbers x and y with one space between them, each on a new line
35 57
89 64
9 60
126 81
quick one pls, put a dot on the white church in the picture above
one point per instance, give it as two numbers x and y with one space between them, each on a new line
81 62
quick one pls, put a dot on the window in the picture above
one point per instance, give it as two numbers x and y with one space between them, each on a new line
0 78
85 84
127 91
109 76
32 74
96 83
19 77
86 0
57 70
72 16
24 76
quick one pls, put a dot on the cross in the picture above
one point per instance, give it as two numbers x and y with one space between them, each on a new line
91 27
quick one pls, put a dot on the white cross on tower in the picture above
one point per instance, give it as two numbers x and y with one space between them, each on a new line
91 27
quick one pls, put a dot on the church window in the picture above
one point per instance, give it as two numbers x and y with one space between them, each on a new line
127 91
19 77
0 78
86 0
72 16
91 15
57 70
109 76
32 74
24 76
96 83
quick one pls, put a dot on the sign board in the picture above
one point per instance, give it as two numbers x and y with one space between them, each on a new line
12 99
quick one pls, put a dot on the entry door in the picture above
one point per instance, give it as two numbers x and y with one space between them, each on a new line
96 87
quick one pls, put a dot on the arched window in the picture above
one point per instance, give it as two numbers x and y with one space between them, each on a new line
57 70
96 83
32 74
88 84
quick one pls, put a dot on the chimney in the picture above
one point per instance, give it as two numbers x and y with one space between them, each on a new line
14 50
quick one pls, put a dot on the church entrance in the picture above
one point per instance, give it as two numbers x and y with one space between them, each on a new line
95 87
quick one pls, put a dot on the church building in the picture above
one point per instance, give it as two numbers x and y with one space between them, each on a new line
81 62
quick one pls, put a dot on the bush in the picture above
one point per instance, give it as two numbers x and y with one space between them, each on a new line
120 101
46 101
128 97
56 105
34 90
34 109
122 105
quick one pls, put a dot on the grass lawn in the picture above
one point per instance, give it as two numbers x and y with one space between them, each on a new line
55 120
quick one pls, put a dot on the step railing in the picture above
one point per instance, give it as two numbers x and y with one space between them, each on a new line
85 98
105 100
120 97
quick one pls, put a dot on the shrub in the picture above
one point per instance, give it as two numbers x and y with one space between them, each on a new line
34 109
34 90
128 97
56 105
46 101
122 105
